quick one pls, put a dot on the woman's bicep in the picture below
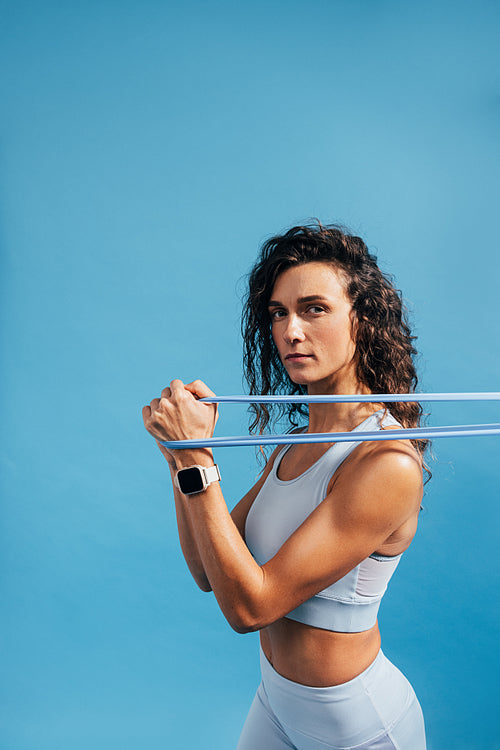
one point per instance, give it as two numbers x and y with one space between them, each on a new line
353 521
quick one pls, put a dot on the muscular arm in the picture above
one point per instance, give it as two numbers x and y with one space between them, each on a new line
186 536
371 499
378 489
187 539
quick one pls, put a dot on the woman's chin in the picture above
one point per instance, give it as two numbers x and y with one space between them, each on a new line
298 380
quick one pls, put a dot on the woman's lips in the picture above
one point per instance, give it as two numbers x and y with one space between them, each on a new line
297 357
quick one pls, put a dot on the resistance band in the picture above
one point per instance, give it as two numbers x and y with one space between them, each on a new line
413 433
354 398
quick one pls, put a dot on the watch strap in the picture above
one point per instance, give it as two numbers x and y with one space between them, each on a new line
212 473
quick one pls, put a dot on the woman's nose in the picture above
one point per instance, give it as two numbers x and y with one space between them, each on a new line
293 331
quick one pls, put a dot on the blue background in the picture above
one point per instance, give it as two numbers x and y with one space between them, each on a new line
146 150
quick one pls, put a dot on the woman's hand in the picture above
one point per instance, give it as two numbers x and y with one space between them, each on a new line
178 415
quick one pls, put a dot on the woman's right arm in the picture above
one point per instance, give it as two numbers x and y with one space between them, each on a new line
187 539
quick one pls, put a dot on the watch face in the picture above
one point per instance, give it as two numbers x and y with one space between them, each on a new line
190 480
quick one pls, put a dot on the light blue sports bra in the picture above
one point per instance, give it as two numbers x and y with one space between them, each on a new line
350 605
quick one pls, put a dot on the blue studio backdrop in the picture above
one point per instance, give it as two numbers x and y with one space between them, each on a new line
146 150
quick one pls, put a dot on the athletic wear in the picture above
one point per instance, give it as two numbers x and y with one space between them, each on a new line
350 604
377 710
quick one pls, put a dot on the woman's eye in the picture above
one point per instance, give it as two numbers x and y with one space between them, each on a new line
316 309
275 314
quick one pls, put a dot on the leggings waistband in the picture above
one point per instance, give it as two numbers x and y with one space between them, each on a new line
354 712
371 675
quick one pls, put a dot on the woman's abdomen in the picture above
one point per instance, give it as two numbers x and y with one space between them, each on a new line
315 657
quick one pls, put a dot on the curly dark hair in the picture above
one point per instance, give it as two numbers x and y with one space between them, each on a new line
384 344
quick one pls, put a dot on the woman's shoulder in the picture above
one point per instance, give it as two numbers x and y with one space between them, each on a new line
384 469
381 489
387 457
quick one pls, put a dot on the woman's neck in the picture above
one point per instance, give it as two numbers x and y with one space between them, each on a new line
339 417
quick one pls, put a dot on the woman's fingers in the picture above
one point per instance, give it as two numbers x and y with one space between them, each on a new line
199 388
176 385
177 388
146 415
178 415
149 416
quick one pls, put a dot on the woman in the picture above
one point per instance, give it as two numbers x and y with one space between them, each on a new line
306 555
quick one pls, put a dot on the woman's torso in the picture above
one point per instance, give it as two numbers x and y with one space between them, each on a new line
312 655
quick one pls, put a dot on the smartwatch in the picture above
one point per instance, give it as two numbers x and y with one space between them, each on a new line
196 478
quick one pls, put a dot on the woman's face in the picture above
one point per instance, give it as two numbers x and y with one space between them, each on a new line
312 327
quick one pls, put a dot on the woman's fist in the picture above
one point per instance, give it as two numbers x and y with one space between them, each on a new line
179 415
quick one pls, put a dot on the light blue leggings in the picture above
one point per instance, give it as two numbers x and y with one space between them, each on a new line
377 710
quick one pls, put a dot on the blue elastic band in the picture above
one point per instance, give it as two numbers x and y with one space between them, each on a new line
413 433
355 398
428 433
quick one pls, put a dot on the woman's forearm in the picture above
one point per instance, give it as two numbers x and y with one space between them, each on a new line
187 539
233 575
211 542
